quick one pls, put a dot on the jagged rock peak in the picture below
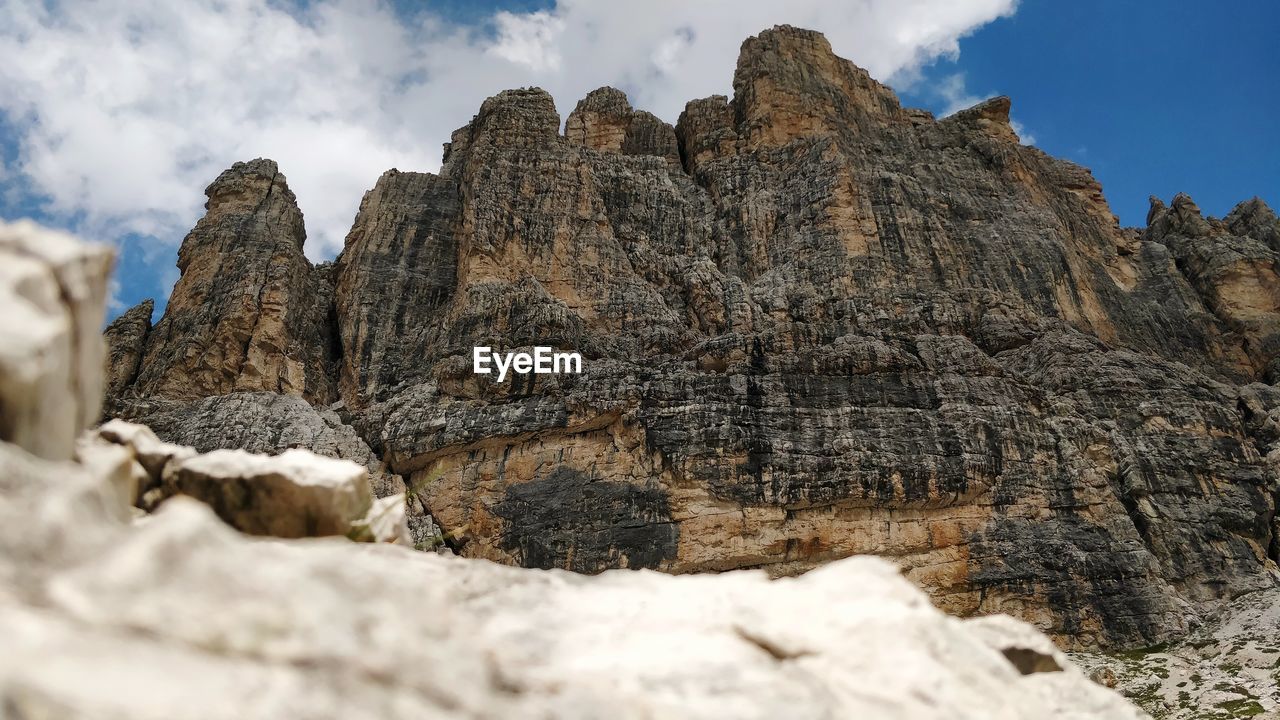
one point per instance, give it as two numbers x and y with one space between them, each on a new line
990 116
248 311
125 338
1156 210
784 47
600 120
705 130
405 229
525 116
1255 210
605 99
1182 217
1254 218
518 118
789 83
244 187
1183 204
604 120
995 109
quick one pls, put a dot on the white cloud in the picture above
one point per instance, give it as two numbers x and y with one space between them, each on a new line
127 109
951 90
115 305
530 40
1023 133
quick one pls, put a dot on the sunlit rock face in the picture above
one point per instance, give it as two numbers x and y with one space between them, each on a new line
814 324
108 611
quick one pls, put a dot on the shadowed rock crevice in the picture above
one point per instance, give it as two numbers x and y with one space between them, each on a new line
1029 661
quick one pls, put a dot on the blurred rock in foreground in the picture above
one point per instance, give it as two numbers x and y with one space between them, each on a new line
181 616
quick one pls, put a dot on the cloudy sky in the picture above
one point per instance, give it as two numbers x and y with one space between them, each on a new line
114 115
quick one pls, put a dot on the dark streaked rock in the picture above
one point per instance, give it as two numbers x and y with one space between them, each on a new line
126 337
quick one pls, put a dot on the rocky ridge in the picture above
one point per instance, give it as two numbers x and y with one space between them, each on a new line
175 614
815 324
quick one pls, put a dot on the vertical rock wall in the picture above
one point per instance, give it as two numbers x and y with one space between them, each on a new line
814 324
248 312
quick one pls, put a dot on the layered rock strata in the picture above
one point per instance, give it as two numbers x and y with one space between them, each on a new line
823 325
176 614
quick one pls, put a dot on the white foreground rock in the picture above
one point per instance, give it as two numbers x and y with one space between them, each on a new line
386 521
184 617
152 453
291 495
52 290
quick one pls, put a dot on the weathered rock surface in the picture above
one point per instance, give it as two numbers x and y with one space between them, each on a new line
1228 668
605 121
181 616
294 494
261 422
1235 266
178 615
126 339
835 326
53 290
291 495
270 423
150 452
248 312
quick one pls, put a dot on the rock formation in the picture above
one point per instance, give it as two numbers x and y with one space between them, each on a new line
291 495
181 615
248 312
815 324
53 290
177 615
125 338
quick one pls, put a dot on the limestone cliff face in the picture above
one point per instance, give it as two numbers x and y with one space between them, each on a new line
126 338
248 312
1234 264
814 324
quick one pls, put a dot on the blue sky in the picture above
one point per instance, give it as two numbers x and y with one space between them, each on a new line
1155 97
116 115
